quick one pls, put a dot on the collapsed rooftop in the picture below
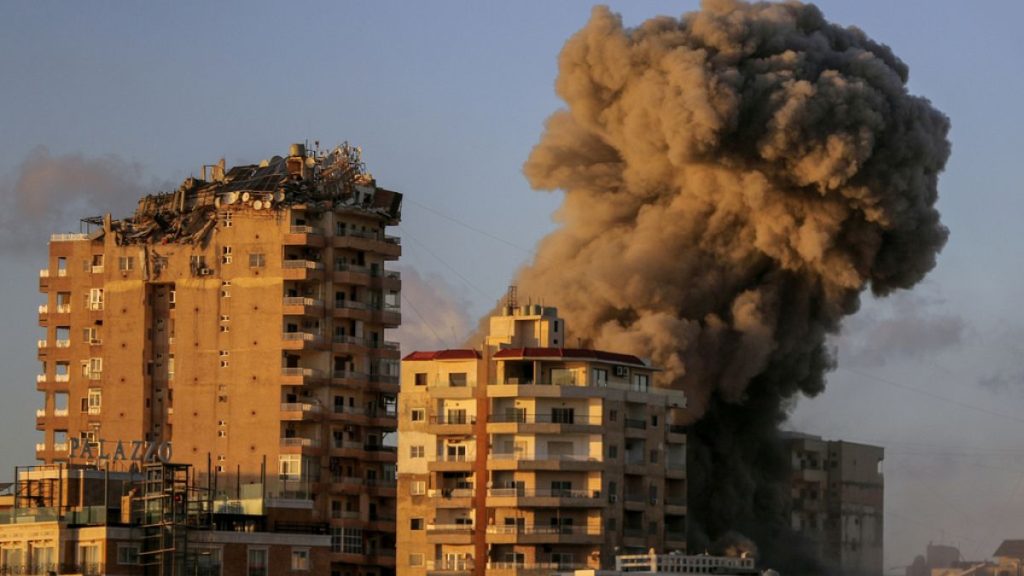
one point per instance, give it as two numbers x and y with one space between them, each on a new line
318 181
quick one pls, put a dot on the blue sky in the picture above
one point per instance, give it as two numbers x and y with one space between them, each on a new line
447 99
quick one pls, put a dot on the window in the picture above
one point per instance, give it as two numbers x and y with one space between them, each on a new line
613 415
457 379
225 219
415 559
421 379
417 415
456 416
416 524
611 525
641 382
95 400
89 558
225 254
416 451
95 299
418 488
654 420
257 260
225 289
613 452
127 554
654 457
300 558
126 263
600 377
563 415
352 540
290 466
257 562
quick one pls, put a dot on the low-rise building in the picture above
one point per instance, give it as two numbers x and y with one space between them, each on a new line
56 519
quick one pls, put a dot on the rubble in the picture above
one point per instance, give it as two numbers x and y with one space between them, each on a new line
320 181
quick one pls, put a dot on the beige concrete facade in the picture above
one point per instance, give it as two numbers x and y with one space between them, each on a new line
526 456
837 495
255 347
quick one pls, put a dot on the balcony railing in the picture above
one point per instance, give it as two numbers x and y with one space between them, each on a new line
43 308
454 420
346 267
60 412
67 237
298 441
453 528
97 269
63 343
63 308
523 493
451 493
542 567
300 407
60 447
542 457
40 412
303 230
40 378
44 273
553 530
300 264
350 374
300 337
351 304
95 375
62 377
299 371
40 447
638 423
41 344
302 301
527 418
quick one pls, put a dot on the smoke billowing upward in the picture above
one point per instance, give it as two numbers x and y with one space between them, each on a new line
50 193
734 180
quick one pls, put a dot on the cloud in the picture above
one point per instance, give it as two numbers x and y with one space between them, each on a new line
51 193
907 326
434 316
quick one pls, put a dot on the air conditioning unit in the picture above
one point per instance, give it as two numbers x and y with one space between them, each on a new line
621 371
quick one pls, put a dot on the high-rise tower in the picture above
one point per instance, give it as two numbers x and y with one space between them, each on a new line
242 319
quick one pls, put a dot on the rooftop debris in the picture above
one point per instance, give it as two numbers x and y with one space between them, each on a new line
319 181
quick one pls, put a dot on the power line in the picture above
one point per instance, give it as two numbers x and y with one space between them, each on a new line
932 395
424 321
446 264
470 227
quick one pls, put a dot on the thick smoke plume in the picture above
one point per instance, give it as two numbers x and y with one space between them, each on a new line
50 193
734 181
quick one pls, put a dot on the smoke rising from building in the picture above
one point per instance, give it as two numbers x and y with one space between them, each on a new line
734 180
50 193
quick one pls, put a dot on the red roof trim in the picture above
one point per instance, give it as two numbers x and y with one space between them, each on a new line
570 353
461 354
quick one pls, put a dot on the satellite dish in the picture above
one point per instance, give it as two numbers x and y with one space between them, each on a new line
231 197
245 196
279 196
216 202
257 205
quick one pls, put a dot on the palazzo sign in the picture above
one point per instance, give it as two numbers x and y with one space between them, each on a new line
120 451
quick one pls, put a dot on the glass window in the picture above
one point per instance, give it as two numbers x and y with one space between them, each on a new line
127 554
300 558
257 562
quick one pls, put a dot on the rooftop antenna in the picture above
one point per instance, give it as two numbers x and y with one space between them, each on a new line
511 298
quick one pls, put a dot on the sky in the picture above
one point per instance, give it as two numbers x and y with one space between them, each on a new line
446 100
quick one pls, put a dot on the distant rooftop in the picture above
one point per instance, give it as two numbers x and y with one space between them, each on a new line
456 354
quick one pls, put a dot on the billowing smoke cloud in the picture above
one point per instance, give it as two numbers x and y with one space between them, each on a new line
50 193
906 327
433 315
734 180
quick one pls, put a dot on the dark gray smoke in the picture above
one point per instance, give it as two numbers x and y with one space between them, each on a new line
734 181
50 193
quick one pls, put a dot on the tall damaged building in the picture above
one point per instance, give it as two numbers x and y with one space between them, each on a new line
238 324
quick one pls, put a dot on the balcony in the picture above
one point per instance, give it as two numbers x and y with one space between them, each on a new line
62 377
531 569
449 568
60 447
42 344
301 269
295 411
542 423
301 306
298 376
63 343
515 497
459 425
636 423
297 445
522 461
300 340
452 497
449 533
304 236
451 463
345 273
388 246
543 534
568 388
